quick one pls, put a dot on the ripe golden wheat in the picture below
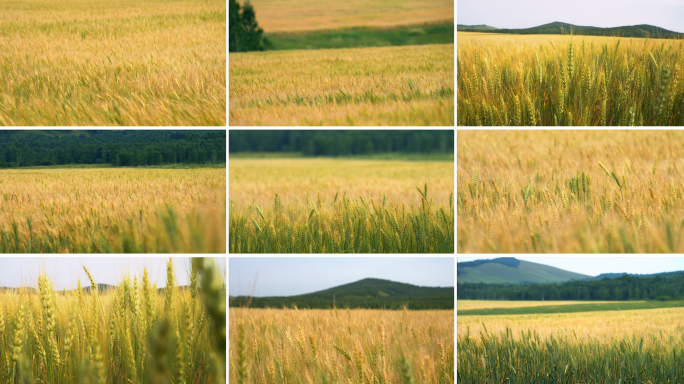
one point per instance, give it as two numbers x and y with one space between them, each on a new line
112 210
365 346
568 80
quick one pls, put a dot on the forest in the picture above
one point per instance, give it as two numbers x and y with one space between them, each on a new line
668 286
123 148
342 143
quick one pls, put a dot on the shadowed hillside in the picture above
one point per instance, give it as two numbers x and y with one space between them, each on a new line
366 293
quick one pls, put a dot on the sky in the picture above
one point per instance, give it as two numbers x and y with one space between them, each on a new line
668 14
288 276
594 266
65 271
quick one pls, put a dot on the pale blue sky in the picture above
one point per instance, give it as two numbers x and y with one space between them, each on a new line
287 276
668 14
64 271
596 265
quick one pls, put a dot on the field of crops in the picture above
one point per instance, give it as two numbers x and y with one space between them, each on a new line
491 304
340 206
331 346
96 210
570 191
408 85
568 80
88 62
597 347
307 15
129 334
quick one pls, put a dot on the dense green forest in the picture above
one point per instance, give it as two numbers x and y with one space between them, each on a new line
118 148
626 287
366 293
342 143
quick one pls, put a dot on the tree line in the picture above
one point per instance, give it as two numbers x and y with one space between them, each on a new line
342 143
435 302
118 148
625 287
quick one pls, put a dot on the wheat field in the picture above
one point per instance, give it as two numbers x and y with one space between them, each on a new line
570 191
329 346
340 206
95 210
489 304
128 334
89 62
597 347
556 80
308 15
410 85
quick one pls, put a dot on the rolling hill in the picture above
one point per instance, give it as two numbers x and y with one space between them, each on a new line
509 270
366 293
559 28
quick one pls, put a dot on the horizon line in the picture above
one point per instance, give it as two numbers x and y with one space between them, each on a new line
574 25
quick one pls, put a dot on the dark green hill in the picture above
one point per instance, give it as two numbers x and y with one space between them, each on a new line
508 270
366 293
559 28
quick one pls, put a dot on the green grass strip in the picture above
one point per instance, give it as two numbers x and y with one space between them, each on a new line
365 37
573 308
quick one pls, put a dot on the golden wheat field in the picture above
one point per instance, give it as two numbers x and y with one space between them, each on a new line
481 304
96 210
304 15
132 333
339 206
570 191
556 80
328 346
89 62
258 180
409 85
604 326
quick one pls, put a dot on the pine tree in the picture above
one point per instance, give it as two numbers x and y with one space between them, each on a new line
245 34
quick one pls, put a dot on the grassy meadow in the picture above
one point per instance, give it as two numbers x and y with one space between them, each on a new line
570 191
552 80
91 62
132 333
407 85
93 210
586 347
562 306
357 37
340 206
329 346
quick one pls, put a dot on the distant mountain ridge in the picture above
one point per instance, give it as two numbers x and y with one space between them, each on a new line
365 293
560 28
509 270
